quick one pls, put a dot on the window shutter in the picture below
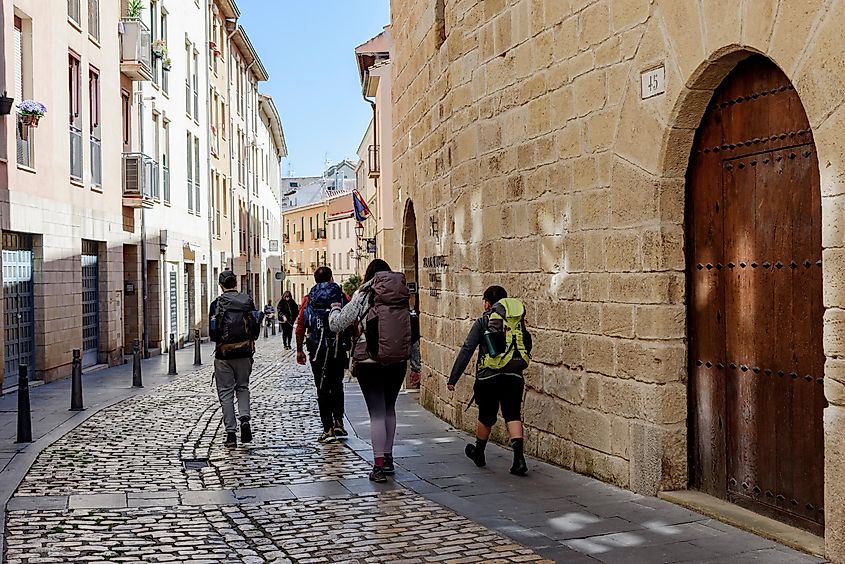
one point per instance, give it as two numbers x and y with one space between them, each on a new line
18 62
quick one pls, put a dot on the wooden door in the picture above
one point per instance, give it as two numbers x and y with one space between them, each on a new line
755 300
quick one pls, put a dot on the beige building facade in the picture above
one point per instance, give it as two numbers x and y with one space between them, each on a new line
566 150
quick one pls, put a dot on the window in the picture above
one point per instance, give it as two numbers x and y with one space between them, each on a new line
94 113
75 106
197 175
73 11
165 75
225 197
126 116
188 105
196 87
165 162
23 72
190 171
94 19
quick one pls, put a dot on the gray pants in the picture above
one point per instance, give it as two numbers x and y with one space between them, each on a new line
232 377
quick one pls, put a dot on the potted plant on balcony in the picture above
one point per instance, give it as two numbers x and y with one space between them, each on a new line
6 104
30 112
159 48
134 9
166 64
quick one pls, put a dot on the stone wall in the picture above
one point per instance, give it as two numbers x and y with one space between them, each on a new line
523 136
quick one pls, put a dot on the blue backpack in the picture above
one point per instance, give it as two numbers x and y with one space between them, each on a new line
316 318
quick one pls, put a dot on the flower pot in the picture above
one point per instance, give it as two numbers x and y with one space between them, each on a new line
166 67
6 105
30 120
158 54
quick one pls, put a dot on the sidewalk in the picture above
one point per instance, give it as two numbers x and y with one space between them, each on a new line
559 514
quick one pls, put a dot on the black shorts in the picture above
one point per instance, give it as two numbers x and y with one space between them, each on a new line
503 390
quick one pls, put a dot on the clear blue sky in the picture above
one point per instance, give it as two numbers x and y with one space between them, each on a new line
308 48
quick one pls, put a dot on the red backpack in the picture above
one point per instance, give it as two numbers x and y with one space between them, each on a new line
388 321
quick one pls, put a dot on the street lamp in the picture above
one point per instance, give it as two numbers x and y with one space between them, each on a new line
359 230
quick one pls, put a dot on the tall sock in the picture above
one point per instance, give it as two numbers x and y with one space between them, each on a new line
516 444
379 461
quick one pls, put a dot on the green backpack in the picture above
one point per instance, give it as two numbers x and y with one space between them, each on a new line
504 337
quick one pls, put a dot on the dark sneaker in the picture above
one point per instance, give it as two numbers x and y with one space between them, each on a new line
339 431
246 432
231 439
327 437
475 455
377 475
388 467
519 468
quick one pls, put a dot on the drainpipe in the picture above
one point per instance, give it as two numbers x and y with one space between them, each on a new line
375 143
233 23
249 199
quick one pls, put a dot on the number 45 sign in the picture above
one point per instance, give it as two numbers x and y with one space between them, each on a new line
653 82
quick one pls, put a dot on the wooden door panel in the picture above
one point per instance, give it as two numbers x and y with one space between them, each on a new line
755 311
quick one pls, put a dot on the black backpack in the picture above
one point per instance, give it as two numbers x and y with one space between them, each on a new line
316 320
237 325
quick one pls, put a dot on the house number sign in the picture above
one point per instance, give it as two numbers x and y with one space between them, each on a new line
653 82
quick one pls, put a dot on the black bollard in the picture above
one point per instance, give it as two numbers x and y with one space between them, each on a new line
24 416
171 369
266 331
136 365
273 325
76 383
197 351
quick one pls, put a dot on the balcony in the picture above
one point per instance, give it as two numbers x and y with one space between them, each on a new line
318 234
374 161
75 153
140 180
96 162
135 52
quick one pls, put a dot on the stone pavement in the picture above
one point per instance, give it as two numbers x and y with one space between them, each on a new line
148 480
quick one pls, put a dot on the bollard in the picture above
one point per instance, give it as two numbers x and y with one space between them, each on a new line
197 351
76 383
171 369
24 417
136 365
265 331
273 325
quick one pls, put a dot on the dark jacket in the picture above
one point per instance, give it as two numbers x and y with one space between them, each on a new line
474 340
289 309
214 334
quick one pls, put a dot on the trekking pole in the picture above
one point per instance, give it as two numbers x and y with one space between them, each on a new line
136 365
197 351
24 415
76 383
171 369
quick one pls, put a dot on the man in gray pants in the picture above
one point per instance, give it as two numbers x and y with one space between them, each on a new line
234 326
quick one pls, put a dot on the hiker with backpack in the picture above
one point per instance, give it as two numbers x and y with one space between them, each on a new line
327 351
288 312
234 325
388 340
504 352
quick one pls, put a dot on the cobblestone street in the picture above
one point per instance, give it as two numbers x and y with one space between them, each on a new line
148 480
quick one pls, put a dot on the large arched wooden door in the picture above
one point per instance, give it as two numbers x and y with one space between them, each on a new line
755 300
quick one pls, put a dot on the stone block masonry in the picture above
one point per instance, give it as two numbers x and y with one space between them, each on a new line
525 135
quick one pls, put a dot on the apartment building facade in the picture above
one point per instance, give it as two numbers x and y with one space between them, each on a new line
108 220
272 147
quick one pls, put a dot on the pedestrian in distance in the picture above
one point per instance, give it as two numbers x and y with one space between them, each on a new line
326 351
269 313
234 325
388 338
504 352
288 311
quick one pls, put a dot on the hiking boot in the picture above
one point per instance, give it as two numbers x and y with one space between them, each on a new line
475 455
377 475
519 468
339 431
231 439
388 467
327 437
246 431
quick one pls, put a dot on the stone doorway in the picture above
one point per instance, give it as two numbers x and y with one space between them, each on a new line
755 300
